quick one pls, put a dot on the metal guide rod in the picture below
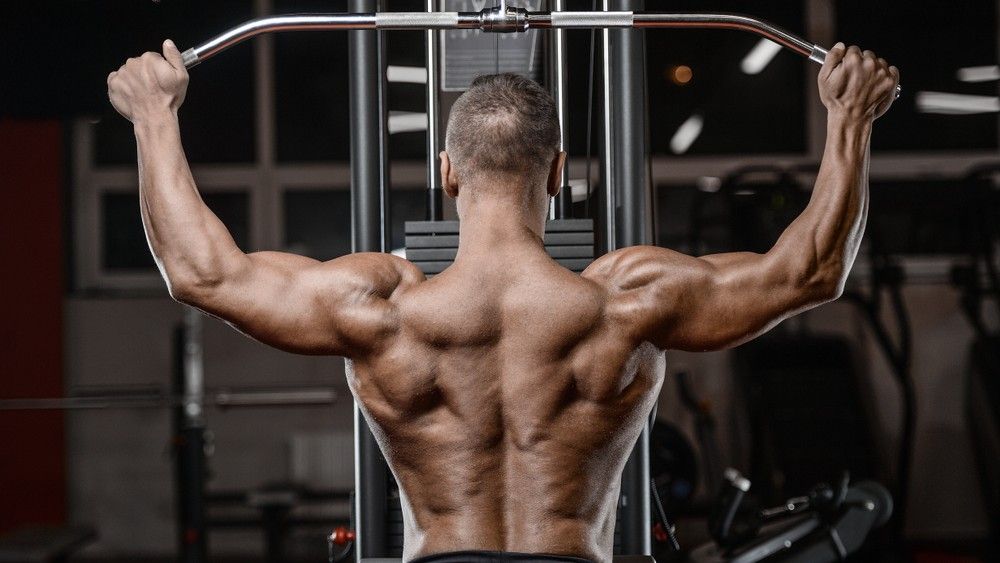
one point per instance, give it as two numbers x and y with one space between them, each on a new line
434 201
607 152
189 439
369 191
628 190
559 208
194 374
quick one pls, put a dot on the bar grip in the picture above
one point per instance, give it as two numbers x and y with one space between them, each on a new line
592 19
818 56
416 20
190 58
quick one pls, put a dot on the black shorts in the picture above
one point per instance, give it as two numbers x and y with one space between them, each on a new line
472 556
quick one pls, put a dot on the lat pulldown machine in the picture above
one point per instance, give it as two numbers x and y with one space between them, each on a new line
626 200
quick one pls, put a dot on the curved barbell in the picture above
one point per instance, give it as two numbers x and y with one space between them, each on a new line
502 20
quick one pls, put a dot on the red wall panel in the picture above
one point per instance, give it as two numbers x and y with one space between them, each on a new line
32 449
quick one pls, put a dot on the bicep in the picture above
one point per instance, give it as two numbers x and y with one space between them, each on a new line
302 305
708 303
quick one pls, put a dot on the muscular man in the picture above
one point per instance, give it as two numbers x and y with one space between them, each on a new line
506 392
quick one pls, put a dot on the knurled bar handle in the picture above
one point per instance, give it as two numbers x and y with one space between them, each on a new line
506 20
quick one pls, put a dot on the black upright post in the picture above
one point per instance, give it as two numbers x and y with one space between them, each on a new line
189 442
369 183
631 137
629 177
435 203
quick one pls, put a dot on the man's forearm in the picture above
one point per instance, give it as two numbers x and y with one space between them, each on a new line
821 244
190 244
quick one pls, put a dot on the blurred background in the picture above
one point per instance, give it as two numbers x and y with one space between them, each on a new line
897 381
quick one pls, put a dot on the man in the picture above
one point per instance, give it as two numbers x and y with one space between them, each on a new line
506 392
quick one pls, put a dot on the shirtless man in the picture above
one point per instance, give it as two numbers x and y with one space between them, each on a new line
506 392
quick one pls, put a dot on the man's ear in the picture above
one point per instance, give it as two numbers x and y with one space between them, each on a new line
449 180
555 174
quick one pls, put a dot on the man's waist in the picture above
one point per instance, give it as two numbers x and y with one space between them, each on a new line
478 556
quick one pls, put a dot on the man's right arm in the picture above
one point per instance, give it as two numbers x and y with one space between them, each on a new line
712 302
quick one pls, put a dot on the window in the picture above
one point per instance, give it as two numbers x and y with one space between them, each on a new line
951 36
318 223
696 75
123 242
217 119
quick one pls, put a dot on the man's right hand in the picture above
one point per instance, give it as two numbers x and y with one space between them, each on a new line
857 84
149 86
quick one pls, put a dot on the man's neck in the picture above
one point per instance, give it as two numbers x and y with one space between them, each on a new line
491 224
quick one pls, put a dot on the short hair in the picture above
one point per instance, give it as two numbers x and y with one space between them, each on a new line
503 124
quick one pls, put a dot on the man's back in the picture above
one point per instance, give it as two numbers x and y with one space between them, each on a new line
506 404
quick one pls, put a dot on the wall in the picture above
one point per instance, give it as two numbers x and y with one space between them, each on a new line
32 472
119 459
945 500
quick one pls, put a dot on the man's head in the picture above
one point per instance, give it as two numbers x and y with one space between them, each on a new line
503 133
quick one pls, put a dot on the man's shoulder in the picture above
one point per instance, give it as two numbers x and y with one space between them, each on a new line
383 275
624 268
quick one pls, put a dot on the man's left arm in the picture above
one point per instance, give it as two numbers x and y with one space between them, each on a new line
291 302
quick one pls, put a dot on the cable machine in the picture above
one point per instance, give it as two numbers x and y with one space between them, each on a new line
625 201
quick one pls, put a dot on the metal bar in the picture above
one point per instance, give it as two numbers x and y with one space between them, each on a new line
560 91
367 188
434 199
194 362
607 152
503 19
489 19
630 147
290 398
510 20
293 22
189 441
157 399
384 222
629 188
365 136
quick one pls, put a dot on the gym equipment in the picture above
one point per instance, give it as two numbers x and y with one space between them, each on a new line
116 397
825 525
187 399
626 212
704 424
503 19
44 544
673 468
800 385
432 245
977 278
272 509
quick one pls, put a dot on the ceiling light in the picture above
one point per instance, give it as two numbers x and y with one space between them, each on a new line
686 134
956 104
759 57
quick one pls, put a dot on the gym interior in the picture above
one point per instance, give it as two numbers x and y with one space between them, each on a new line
134 428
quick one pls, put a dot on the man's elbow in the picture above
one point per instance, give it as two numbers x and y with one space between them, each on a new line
188 285
828 284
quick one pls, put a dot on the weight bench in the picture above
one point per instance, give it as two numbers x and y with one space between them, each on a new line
43 544
432 245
